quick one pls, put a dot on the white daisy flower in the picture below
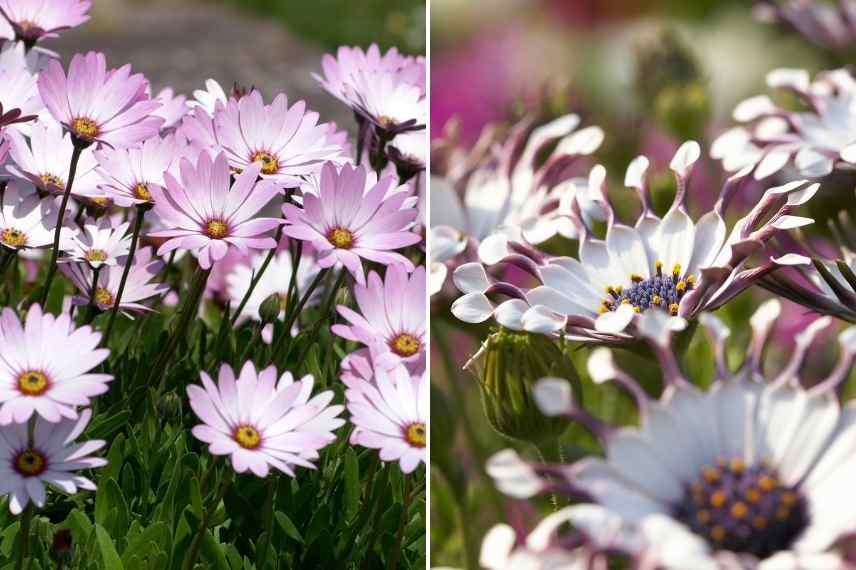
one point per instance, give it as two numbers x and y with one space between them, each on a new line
100 243
27 222
50 460
750 470
673 264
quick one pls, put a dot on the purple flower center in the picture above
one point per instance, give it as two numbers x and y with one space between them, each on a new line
33 383
247 436
30 463
405 345
416 435
13 237
663 291
341 238
743 509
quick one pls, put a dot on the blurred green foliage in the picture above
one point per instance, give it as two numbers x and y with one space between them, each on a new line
332 23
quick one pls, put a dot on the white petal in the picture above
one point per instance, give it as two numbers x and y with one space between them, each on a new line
615 321
472 308
554 396
685 158
636 171
471 278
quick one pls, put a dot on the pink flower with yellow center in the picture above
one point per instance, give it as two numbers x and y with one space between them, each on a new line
32 20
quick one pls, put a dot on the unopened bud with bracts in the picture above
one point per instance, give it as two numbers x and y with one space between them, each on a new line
271 308
508 366
169 406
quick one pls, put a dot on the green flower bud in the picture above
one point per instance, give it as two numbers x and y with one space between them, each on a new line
169 406
508 366
271 307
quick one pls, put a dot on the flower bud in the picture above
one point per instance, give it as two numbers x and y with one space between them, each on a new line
508 366
271 307
169 406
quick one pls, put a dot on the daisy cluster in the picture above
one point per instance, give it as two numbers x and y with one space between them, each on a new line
227 202
568 281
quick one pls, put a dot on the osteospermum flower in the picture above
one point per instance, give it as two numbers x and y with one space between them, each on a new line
341 71
100 243
27 222
173 108
477 197
209 98
750 469
110 107
831 25
275 281
354 217
392 105
22 91
286 141
673 265
45 160
33 20
391 317
51 382
208 215
127 174
50 460
262 423
390 414
818 138
138 288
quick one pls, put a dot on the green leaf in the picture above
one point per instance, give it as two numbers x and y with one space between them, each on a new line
213 552
288 527
109 557
352 483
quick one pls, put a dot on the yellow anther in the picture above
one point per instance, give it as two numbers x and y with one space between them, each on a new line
673 309
753 495
717 533
658 265
703 516
681 286
636 278
788 498
767 483
739 510
676 270
625 301
717 499
738 465
710 474
637 310
655 300
759 522
690 279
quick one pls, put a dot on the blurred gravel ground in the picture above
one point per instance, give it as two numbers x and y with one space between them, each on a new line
181 43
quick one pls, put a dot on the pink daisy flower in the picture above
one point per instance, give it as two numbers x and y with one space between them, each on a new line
20 89
287 141
33 20
390 413
45 365
51 460
207 217
261 423
127 174
100 243
138 288
354 217
96 105
26 221
391 318
173 108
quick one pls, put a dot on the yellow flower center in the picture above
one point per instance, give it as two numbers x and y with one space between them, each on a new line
141 192
103 297
33 383
216 229
53 180
386 122
270 165
247 436
341 238
96 255
102 201
13 237
405 345
85 128
30 463
416 435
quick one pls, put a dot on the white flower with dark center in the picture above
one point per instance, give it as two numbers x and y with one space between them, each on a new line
26 221
673 265
100 243
752 469
818 138
51 460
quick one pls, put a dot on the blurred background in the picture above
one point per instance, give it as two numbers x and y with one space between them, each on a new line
272 44
651 73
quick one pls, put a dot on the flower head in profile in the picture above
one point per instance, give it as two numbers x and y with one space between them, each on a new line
100 243
393 106
262 422
33 20
286 141
354 217
751 469
207 214
391 317
477 196
51 383
208 99
817 139
45 160
51 460
138 288
27 222
274 281
342 70
827 24
97 105
389 411
672 265
127 174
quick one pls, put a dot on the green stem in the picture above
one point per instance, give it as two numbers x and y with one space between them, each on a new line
193 551
187 312
325 310
6 258
129 262
92 308
72 172
378 511
270 501
256 278
294 312
402 523
24 535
